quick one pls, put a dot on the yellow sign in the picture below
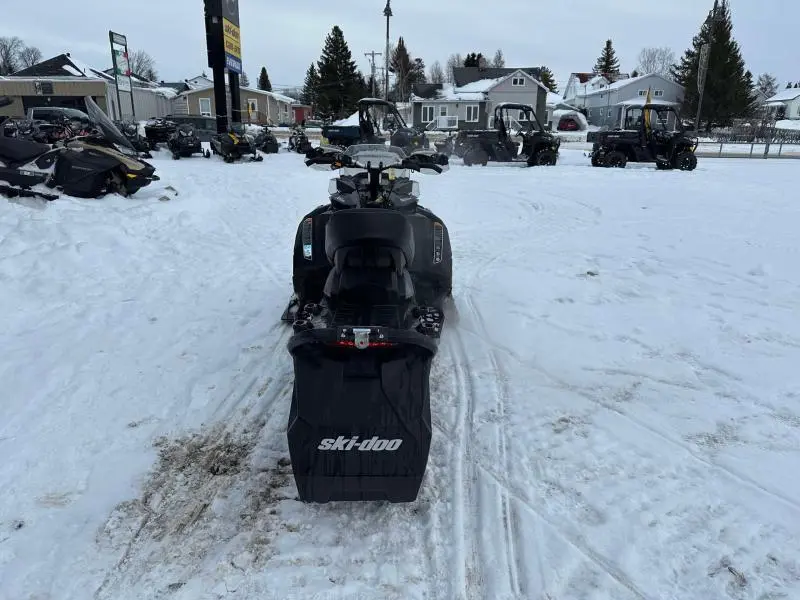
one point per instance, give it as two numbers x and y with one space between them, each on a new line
233 39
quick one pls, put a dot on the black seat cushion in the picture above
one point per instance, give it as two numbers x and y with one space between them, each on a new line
369 275
17 150
369 227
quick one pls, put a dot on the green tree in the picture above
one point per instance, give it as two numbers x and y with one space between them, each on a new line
475 60
341 85
407 71
263 80
728 92
310 92
548 79
608 61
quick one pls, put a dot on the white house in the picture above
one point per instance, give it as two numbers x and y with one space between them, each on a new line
788 102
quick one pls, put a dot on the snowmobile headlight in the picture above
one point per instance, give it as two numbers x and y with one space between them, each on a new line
307 237
438 242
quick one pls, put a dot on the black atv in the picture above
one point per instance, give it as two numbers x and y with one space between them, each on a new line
539 147
646 139
298 141
130 130
378 122
158 131
266 141
372 276
184 143
235 145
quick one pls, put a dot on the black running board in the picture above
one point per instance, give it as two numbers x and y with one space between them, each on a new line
14 192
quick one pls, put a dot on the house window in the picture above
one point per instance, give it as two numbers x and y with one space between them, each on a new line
518 81
658 93
252 107
427 113
205 107
643 92
443 110
472 113
609 112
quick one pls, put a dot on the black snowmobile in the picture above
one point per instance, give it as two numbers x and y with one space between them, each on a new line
372 276
235 145
157 130
130 130
184 143
87 167
266 141
298 141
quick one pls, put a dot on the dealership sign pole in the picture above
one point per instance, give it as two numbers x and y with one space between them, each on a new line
122 68
223 42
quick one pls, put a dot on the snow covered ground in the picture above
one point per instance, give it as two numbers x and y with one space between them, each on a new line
617 409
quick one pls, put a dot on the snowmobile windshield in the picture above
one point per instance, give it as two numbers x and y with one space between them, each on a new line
376 153
238 129
107 127
186 130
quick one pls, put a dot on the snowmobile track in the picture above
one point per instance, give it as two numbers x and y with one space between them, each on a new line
510 496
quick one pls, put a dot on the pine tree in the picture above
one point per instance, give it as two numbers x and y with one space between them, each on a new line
474 60
340 84
608 62
407 71
310 92
263 80
548 79
728 91
243 80
634 73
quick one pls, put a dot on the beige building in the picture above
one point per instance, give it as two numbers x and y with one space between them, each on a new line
258 106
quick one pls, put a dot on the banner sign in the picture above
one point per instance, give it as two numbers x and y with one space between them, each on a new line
122 67
233 46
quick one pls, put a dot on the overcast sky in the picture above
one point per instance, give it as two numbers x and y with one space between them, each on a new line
566 35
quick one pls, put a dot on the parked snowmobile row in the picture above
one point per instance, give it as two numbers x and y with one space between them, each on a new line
372 275
184 142
86 166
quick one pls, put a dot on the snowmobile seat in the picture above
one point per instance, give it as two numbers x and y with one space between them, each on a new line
370 250
17 150
374 227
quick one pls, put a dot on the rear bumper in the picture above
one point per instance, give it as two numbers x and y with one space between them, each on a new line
357 489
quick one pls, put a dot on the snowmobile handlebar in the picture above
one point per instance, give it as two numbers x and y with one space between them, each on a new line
338 161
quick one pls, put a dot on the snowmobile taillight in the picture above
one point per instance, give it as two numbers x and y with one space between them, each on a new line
352 344
438 242
307 235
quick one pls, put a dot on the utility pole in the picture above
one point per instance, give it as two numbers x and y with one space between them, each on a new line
387 12
371 56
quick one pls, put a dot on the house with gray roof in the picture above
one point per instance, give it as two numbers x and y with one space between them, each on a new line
604 104
469 102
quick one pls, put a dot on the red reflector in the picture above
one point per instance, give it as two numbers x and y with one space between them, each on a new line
348 344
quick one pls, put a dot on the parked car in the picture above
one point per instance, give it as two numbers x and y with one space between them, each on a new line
55 114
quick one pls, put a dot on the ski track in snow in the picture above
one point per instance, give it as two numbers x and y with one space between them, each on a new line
614 401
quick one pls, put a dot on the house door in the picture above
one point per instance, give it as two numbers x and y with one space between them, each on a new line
252 109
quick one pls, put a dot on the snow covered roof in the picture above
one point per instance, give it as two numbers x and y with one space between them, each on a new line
617 85
554 99
785 95
793 124
475 91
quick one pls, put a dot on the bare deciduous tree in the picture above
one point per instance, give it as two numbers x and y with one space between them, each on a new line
10 48
29 56
436 73
499 61
142 64
656 60
455 61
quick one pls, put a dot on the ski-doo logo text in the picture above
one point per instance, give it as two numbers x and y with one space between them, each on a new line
374 444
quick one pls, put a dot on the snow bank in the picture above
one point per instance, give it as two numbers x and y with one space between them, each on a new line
351 120
792 124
